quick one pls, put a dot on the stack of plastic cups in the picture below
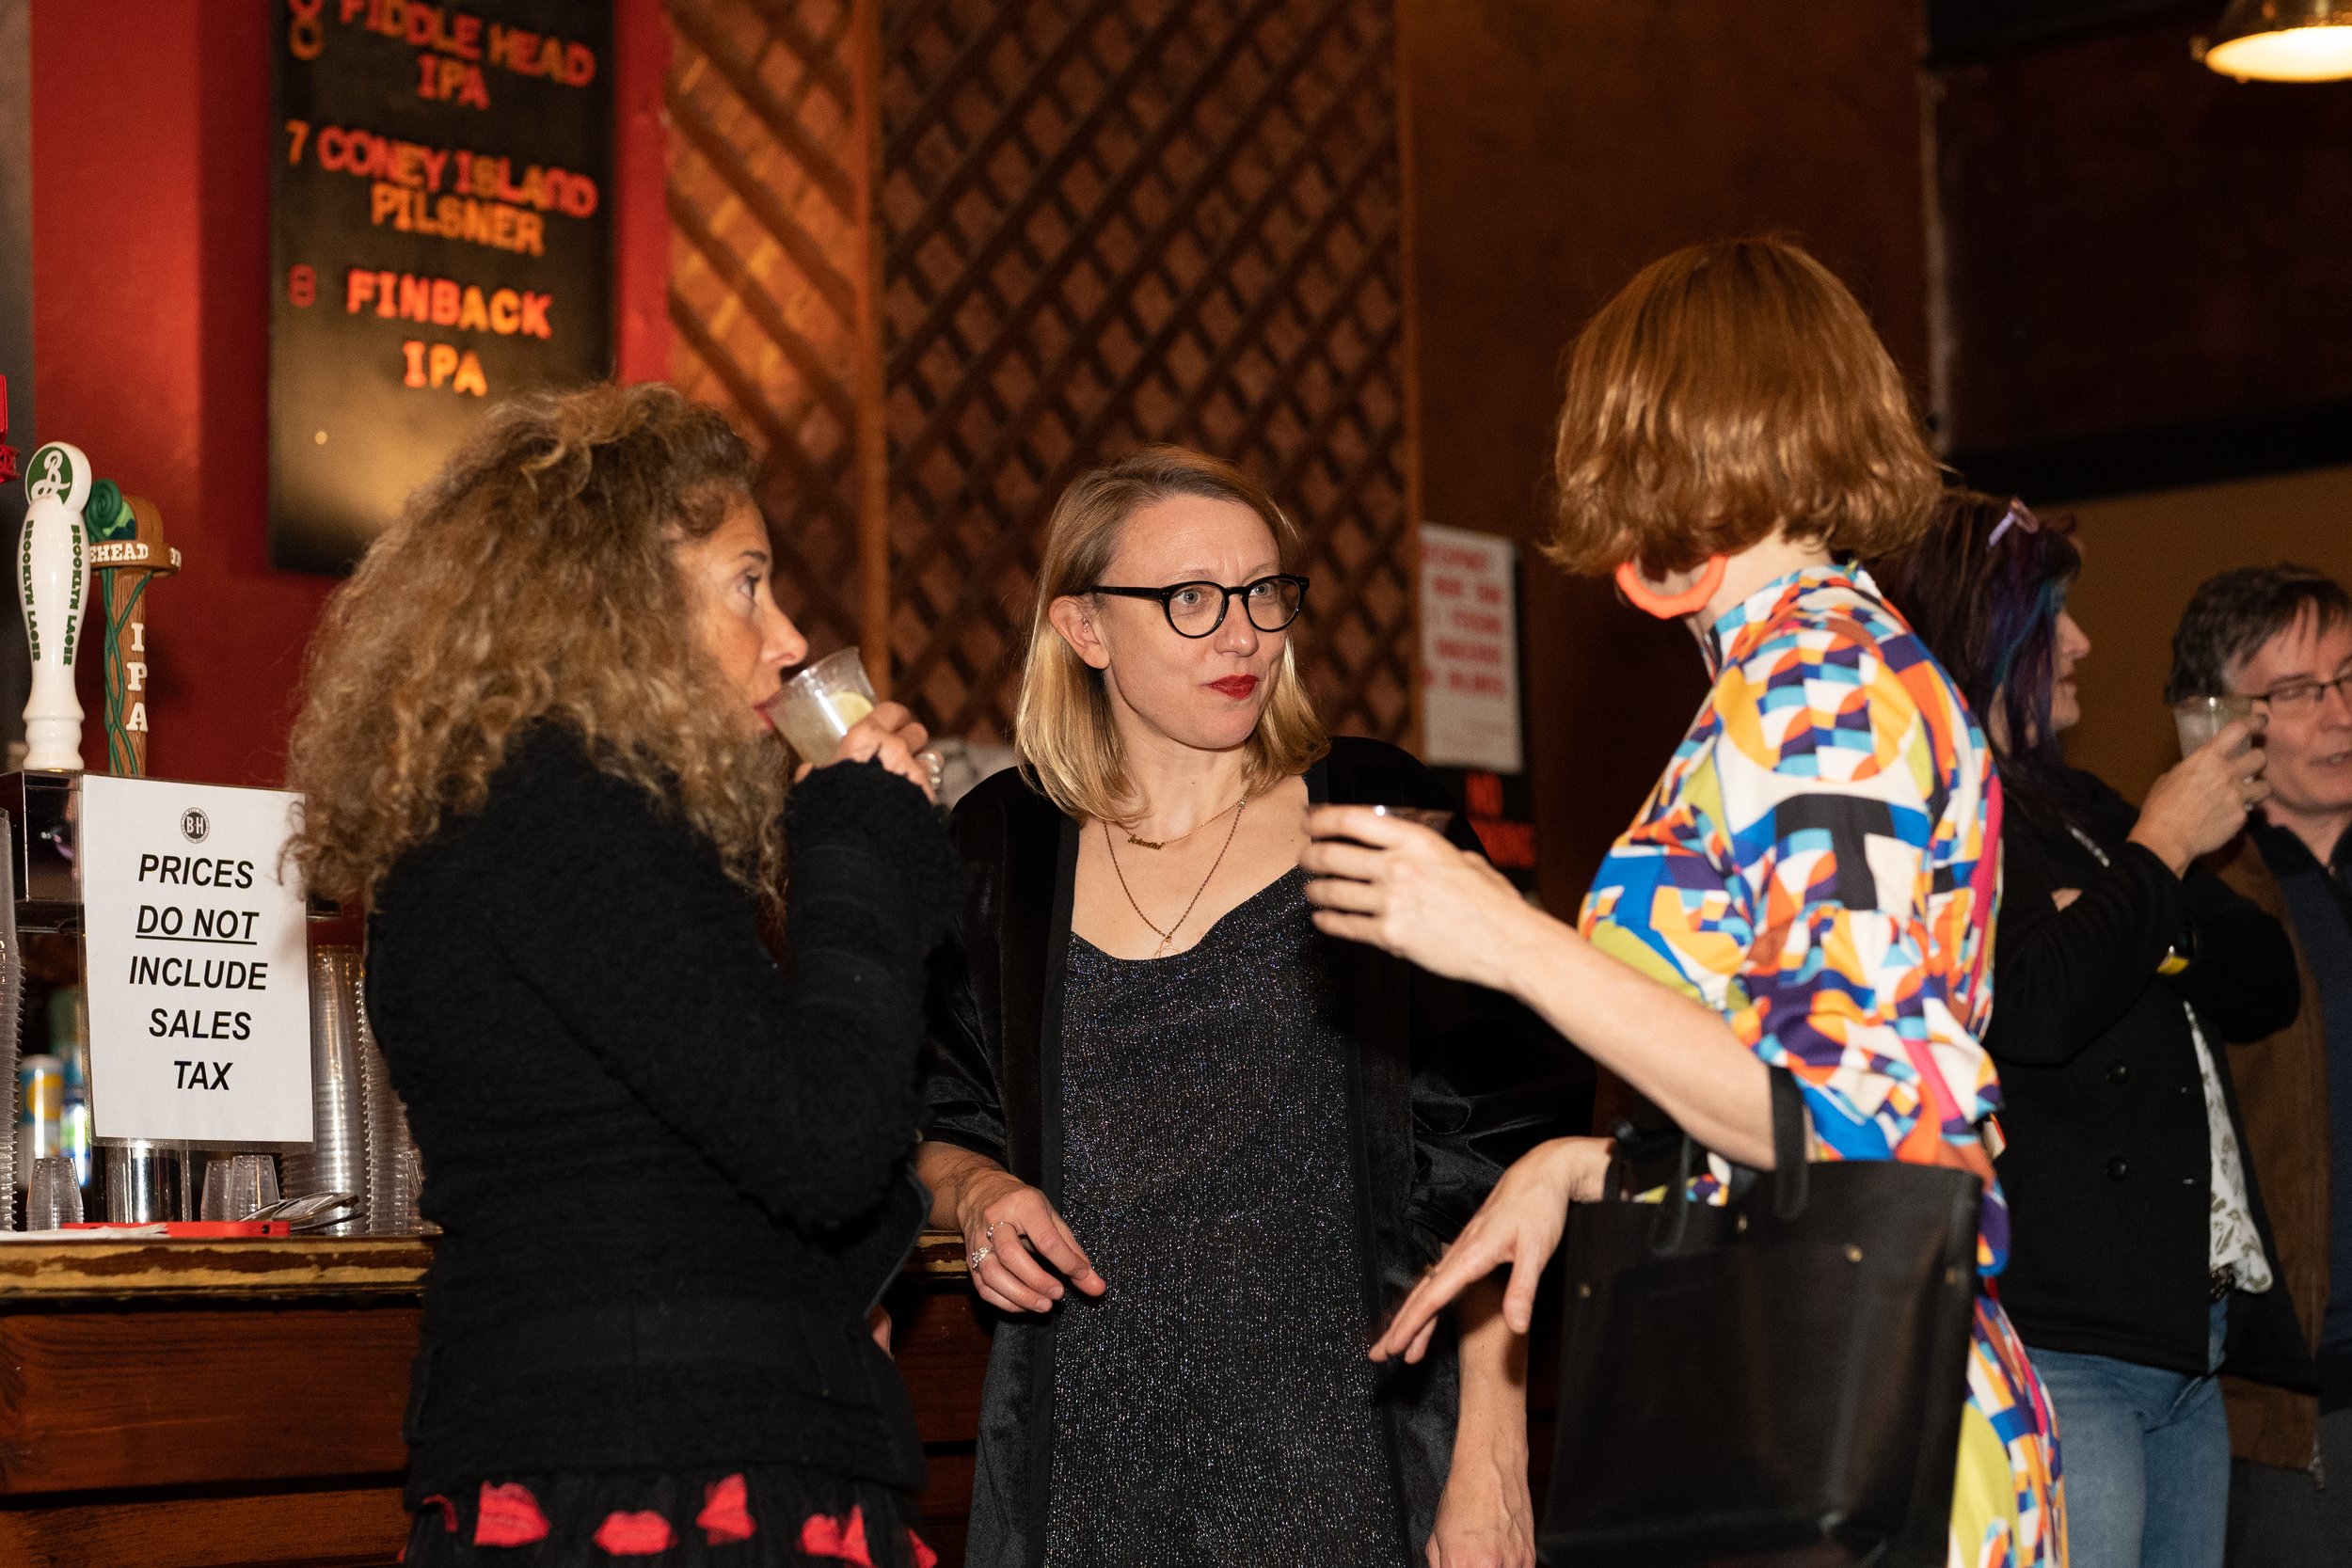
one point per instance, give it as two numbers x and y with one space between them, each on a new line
12 1000
69 1041
335 1159
392 1171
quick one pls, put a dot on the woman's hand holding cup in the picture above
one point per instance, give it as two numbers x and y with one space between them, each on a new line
891 735
1407 890
2201 804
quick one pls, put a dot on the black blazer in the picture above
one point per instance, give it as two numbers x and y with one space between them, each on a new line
2109 1166
1448 1083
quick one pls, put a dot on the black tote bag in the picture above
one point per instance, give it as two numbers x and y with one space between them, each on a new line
1776 1381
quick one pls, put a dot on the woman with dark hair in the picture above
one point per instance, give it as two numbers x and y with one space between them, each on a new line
2140 1254
671 1180
1733 435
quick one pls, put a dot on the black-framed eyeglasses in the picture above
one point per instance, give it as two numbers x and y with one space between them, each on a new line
2300 697
1197 608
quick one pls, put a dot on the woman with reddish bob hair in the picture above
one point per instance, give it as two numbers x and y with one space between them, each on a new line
1733 438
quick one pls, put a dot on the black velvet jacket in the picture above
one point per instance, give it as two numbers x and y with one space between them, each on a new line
1448 1083
2108 1169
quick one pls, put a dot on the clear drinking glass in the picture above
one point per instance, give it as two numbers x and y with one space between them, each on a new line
147 1181
817 707
1431 818
53 1198
2198 719
236 1185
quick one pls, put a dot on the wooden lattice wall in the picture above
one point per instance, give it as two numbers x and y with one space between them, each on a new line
1089 224
768 235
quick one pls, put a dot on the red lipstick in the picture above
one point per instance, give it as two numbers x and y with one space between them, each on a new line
1235 686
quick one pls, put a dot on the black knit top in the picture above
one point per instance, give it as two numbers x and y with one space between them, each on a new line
671 1177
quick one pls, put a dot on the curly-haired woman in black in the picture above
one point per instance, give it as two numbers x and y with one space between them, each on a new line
670 1177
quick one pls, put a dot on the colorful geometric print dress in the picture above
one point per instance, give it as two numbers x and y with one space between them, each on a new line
1819 865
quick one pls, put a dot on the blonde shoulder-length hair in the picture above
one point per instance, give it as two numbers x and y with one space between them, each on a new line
1063 728
531 581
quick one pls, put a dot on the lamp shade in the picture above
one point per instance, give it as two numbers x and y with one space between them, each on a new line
2283 40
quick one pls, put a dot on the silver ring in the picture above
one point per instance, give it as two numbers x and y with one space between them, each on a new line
934 765
990 1234
977 1257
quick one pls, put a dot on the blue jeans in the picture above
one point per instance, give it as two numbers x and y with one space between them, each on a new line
2146 1457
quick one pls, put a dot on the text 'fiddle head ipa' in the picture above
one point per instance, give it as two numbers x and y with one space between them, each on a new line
441 239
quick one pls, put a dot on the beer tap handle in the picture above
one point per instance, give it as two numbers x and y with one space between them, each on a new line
52 586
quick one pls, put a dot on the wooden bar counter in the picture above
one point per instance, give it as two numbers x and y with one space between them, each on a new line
192 1405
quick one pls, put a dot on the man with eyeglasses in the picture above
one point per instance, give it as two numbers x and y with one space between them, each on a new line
2282 635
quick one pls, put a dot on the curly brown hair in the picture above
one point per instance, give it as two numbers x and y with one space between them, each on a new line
533 580
1728 391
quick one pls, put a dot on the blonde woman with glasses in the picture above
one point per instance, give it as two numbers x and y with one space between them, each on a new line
1196 1149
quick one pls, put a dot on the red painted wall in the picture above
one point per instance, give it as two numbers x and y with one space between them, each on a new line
151 214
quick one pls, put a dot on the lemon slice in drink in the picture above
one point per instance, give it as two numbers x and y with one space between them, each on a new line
848 707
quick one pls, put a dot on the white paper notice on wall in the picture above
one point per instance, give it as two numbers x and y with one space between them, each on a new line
1470 651
199 984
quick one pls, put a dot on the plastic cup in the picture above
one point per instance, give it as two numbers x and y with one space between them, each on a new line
2198 719
53 1200
236 1185
817 707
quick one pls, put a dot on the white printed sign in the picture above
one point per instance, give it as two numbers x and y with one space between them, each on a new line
199 984
1470 651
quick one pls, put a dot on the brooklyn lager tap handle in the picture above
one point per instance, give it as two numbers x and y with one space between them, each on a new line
52 584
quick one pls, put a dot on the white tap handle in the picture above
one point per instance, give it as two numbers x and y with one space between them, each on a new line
53 585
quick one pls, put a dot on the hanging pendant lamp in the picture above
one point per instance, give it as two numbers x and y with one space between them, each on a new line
2282 40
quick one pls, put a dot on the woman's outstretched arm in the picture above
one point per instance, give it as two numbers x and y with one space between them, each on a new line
1413 894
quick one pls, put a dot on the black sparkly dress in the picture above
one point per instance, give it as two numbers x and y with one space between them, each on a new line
1215 1405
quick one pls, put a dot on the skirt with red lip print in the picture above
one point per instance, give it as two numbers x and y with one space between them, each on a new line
764 1517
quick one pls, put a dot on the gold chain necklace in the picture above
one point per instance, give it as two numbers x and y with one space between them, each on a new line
1168 936
1148 844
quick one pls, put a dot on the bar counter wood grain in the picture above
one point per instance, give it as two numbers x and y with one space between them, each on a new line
49 1271
199 1404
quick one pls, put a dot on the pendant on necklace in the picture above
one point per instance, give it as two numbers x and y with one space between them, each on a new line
1146 844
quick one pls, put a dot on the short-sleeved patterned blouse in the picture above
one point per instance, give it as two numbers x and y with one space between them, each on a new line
1819 865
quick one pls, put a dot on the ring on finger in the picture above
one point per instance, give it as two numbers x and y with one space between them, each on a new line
978 1256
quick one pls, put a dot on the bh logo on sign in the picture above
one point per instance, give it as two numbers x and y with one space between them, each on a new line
194 825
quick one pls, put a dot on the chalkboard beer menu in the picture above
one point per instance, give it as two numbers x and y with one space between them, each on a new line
441 239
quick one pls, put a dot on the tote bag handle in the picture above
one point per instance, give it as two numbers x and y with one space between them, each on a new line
1791 1185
